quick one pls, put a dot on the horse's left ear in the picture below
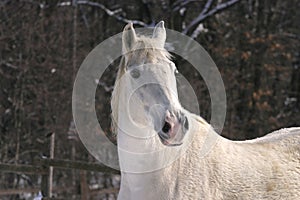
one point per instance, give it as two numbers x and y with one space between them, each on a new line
159 33
128 38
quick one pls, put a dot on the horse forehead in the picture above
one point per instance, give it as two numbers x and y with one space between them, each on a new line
137 59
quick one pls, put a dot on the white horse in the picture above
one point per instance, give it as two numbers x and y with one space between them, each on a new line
160 144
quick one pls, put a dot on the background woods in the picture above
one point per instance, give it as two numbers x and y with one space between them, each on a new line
254 43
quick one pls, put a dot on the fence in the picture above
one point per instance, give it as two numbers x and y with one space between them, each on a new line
43 167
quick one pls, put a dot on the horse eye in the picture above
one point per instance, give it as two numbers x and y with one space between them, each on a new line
135 73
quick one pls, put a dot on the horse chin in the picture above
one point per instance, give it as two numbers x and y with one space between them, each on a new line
170 141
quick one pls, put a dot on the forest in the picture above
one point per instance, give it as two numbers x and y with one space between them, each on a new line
254 43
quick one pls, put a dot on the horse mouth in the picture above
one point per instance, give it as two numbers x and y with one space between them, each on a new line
173 129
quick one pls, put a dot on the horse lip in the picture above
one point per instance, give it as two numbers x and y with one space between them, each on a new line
163 136
166 142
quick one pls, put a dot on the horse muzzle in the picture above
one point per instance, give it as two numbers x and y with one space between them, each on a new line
174 128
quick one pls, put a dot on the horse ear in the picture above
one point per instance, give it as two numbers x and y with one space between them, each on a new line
159 33
128 38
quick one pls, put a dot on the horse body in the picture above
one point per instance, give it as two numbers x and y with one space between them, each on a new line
263 168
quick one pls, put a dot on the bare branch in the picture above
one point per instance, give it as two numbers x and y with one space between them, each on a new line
9 65
180 4
206 7
200 29
107 11
112 13
204 14
106 87
84 18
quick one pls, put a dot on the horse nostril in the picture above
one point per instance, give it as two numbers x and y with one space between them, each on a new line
186 123
166 127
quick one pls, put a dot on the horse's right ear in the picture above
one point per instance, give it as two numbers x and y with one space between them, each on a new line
159 34
128 38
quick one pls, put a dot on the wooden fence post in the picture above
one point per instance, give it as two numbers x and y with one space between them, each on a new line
84 188
45 182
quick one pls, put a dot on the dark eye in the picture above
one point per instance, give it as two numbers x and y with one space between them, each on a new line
135 73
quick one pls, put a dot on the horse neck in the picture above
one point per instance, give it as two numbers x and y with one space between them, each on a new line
135 143
164 180
136 185
204 136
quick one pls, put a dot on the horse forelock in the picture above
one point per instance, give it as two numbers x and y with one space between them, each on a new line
146 50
